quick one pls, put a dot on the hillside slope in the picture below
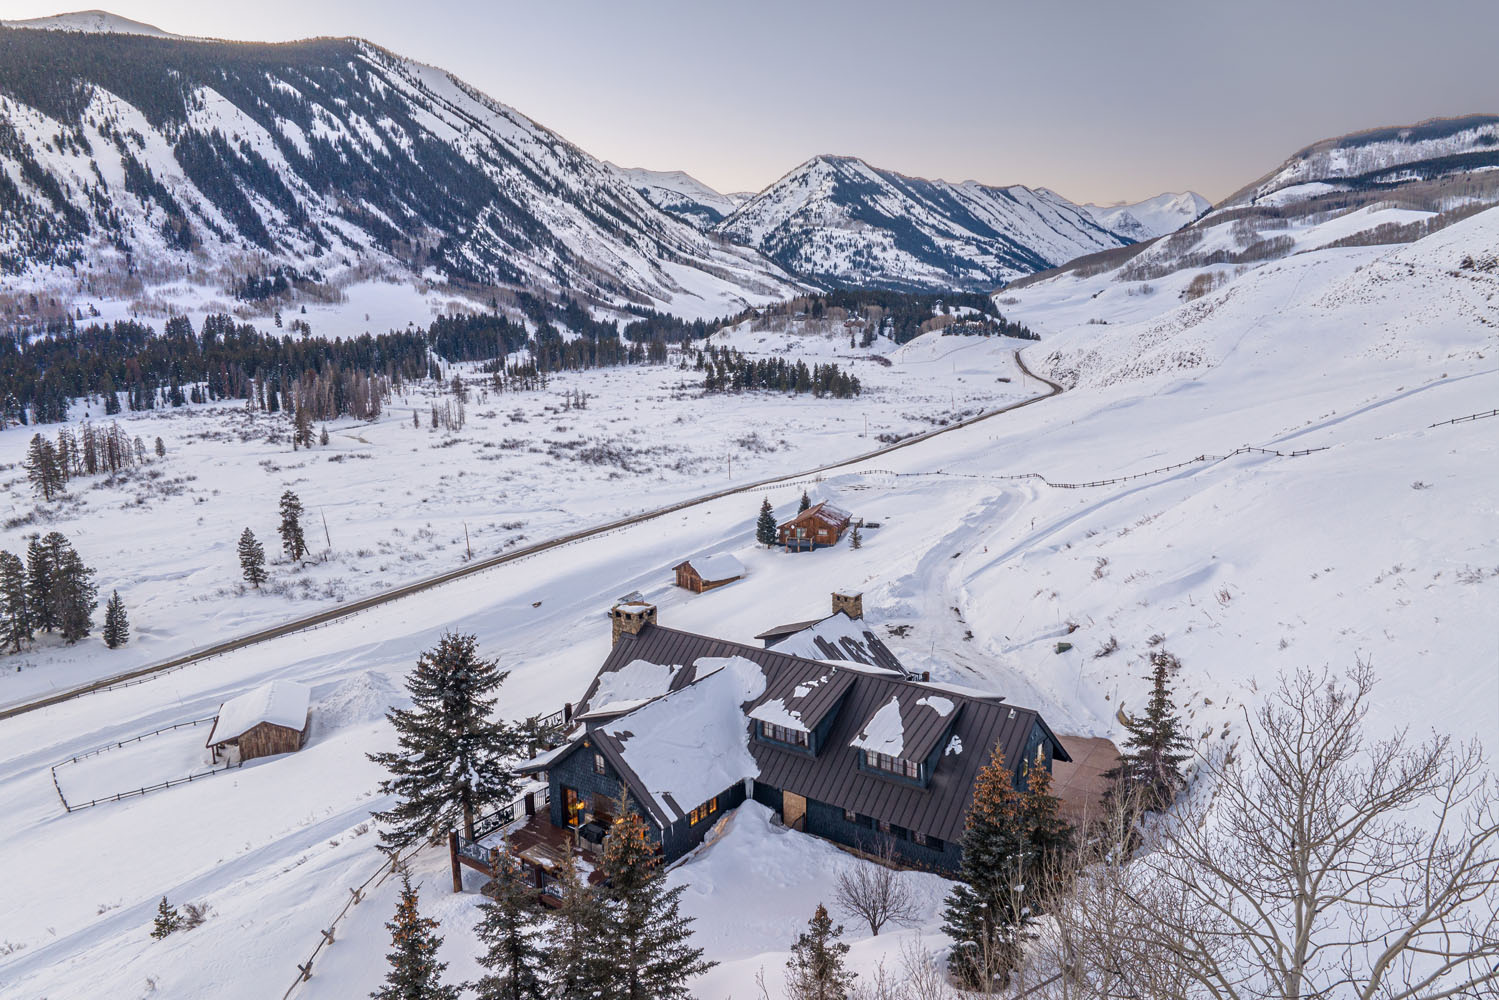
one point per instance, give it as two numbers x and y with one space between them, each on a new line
837 220
127 161
1144 220
682 195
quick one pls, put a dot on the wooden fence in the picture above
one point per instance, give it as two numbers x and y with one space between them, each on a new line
133 792
1464 420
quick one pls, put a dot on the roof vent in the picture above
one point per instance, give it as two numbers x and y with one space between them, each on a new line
1012 713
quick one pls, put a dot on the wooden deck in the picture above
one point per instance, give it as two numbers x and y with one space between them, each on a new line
1080 784
542 849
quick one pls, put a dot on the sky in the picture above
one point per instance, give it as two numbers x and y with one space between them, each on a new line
1100 101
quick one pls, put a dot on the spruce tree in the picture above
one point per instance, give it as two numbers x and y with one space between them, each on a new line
452 760
76 597
805 504
251 559
40 573
292 541
168 920
43 469
116 624
856 540
816 969
984 913
765 527
508 928
415 973
572 937
161 448
15 608
1049 836
1149 772
644 934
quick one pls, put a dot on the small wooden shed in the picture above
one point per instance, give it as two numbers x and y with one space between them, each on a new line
820 524
707 572
271 719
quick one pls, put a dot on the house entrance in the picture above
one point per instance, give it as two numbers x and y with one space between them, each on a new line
794 810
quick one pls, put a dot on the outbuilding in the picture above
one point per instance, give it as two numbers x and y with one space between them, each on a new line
706 572
820 524
271 719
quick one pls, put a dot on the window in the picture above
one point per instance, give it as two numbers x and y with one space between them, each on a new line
917 837
598 763
703 811
795 737
849 816
892 765
884 827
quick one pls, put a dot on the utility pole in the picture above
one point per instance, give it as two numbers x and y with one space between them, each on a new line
327 537
466 544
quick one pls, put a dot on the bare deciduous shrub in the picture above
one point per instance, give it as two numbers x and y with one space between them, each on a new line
875 891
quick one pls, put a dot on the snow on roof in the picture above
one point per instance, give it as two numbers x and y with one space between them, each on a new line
883 733
775 712
834 629
718 566
836 511
636 681
962 690
942 706
692 744
281 703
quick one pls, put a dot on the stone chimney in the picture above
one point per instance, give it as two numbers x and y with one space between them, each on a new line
629 619
850 604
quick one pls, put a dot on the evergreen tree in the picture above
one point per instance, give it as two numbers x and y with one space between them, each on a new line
292 541
322 437
856 540
76 597
415 973
15 608
40 571
116 625
452 758
765 527
805 504
644 934
251 559
984 913
161 448
168 920
1149 772
508 927
43 468
572 937
816 968
1048 836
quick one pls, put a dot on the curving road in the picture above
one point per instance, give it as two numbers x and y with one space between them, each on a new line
480 565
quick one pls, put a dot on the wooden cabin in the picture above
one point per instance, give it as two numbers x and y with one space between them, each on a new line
820 524
707 572
273 718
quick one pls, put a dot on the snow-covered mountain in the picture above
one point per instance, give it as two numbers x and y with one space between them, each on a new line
92 21
1145 220
839 221
1378 159
129 160
682 195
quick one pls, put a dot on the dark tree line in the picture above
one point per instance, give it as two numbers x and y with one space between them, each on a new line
726 370
52 591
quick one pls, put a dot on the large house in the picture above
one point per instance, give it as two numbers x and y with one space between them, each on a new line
835 737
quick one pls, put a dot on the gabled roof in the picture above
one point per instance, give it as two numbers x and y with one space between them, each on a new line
836 637
280 703
695 734
719 566
826 512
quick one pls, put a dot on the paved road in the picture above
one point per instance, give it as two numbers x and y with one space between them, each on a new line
480 565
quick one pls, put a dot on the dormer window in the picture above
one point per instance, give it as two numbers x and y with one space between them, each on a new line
893 765
781 734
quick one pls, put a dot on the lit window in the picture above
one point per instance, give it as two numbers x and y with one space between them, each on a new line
598 763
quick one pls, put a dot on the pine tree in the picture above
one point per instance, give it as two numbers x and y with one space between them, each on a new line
322 437
116 624
816 968
644 933
452 759
765 527
43 468
168 920
161 448
251 559
415 973
508 928
73 590
292 541
984 912
40 571
856 540
572 936
1149 772
1048 835
805 504
15 608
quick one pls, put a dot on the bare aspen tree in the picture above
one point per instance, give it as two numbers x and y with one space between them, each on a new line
876 892
1319 864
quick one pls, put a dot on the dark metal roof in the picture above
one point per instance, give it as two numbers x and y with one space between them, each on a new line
781 631
979 723
858 642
